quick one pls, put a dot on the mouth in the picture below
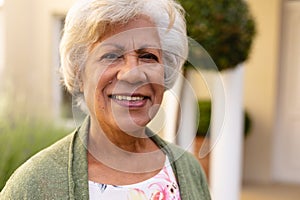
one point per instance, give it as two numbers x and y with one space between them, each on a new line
129 100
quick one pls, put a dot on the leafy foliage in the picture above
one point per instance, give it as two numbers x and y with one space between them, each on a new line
204 118
19 141
204 107
225 28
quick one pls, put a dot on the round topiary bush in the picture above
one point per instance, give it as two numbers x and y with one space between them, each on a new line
225 28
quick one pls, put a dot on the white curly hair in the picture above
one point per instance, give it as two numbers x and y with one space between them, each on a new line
87 21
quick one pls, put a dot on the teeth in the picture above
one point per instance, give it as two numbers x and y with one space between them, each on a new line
127 98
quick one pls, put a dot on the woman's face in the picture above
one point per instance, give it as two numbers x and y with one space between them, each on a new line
123 80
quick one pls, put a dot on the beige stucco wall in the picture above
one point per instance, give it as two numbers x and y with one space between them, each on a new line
29 66
260 90
2 56
2 40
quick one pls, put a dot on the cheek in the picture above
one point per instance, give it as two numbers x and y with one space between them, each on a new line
101 79
92 92
160 93
155 74
99 95
159 82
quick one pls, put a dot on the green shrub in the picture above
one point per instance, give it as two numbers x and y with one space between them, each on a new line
19 141
225 28
204 117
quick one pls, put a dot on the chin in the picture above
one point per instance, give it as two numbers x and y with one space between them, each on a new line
132 126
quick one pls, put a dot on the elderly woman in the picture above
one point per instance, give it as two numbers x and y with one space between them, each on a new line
118 58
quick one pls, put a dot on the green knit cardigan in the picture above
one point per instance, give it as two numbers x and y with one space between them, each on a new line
61 171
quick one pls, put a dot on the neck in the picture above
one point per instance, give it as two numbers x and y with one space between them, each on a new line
105 137
122 151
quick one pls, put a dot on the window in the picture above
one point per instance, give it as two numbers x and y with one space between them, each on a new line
62 99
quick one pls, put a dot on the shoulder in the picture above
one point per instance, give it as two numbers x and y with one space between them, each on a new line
181 157
173 151
47 168
190 175
184 158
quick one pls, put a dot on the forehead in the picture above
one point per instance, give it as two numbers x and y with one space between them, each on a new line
137 33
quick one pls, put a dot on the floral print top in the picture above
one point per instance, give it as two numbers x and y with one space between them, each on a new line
162 186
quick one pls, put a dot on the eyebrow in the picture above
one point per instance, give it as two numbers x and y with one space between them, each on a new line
144 46
112 44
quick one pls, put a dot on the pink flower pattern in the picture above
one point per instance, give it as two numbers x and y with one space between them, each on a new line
162 186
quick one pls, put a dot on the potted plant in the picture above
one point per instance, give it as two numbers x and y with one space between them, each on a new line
203 121
203 130
225 29
204 117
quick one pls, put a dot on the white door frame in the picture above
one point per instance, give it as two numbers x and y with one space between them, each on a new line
286 148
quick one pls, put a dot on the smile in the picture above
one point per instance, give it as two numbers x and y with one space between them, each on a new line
129 100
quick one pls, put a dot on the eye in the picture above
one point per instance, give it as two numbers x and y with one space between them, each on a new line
149 57
110 57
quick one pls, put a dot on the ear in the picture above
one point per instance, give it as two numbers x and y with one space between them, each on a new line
80 84
79 80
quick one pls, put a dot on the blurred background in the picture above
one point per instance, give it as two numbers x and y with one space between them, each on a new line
35 110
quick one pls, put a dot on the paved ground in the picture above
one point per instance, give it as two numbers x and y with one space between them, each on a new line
271 192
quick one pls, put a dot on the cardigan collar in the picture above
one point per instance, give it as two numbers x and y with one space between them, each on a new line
78 166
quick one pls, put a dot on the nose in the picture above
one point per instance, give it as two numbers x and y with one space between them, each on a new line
131 72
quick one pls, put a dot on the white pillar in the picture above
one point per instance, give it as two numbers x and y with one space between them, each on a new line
171 104
226 156
165 121
188 117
